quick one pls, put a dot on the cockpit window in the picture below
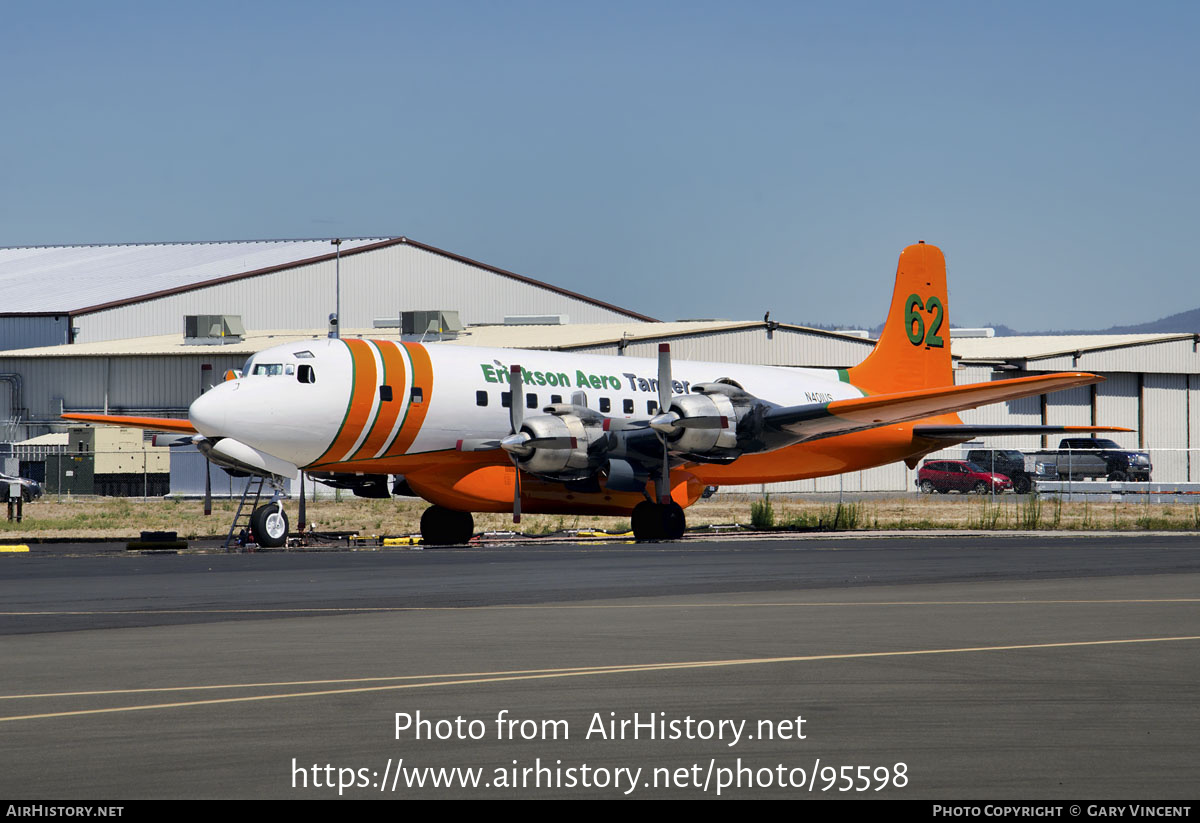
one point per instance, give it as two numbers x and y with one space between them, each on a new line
269 369
305 374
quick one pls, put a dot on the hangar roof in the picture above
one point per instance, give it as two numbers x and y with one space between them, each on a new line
567 336
93 278
87 276
1039 347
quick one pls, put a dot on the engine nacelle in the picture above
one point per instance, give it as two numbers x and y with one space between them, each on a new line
564 445
707 422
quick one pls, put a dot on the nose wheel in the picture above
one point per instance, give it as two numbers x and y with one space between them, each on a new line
269 525
655 521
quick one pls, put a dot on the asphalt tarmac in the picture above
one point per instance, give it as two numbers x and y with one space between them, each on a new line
959 667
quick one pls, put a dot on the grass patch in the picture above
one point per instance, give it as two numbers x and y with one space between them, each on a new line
762 513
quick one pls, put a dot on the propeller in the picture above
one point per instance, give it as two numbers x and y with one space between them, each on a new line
516 444
207 486
664 420
303 522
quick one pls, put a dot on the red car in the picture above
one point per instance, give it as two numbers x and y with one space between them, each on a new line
961 476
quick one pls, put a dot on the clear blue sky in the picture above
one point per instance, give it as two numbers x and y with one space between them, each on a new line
682 159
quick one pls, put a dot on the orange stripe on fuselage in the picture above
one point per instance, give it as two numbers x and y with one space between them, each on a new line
362 397
422 379
393 374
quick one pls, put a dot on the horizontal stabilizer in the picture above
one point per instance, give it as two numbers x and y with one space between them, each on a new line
169 424
965 432
856 414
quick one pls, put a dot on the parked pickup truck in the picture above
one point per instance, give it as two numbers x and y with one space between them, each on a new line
1078 458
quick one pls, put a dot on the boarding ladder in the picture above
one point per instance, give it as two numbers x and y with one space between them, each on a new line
242 517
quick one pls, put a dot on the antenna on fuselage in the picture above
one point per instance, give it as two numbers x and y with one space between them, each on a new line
337 288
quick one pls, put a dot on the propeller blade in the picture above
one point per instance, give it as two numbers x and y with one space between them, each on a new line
477 444
516 492
207 487
664 409
516 444
664 377
664 482
303 522
516 405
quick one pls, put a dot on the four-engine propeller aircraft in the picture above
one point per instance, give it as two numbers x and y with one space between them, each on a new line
470 430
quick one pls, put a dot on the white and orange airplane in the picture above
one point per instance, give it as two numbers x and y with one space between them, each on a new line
470 430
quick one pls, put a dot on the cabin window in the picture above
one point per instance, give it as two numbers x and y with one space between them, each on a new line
480 398
556 398
305 374
651 406
506 399
627 405
417 395
531 401
604 404
385 394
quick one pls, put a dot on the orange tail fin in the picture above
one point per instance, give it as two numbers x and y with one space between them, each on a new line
914 350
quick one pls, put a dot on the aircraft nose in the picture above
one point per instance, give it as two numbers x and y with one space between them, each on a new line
209 412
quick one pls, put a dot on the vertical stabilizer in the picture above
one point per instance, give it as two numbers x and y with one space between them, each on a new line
914 350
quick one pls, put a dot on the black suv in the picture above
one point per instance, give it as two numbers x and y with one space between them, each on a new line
1008 462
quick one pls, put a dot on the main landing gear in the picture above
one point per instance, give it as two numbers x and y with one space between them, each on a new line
656 521
445 527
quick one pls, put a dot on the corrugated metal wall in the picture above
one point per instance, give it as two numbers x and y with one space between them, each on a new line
130 383
28 332
375 284
1173 357
1165 417
1117 405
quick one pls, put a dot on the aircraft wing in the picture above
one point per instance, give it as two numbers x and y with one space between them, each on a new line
169 424
965 432
817 420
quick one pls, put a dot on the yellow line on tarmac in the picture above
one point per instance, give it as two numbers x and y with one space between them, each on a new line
603 670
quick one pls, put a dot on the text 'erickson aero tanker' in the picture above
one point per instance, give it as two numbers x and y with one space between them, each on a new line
493 430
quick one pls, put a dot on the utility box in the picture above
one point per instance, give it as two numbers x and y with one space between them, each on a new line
70 474
109 461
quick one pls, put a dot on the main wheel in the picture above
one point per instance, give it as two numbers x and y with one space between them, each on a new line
673 520
445 527
646 522
269 525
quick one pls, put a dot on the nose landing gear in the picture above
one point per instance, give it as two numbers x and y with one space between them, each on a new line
267 524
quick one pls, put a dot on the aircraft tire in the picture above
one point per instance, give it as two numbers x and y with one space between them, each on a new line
673 520
445 527
269 525
646 521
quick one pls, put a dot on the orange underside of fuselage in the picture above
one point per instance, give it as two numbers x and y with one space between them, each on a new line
483 481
